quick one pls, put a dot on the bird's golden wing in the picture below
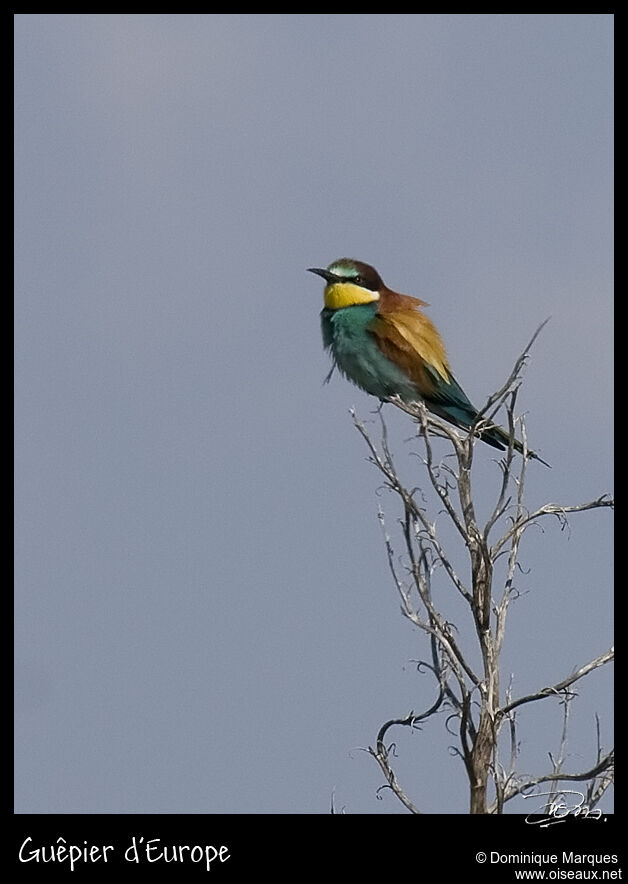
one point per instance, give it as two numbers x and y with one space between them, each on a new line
411 341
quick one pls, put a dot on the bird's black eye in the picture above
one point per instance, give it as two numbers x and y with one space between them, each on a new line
358 280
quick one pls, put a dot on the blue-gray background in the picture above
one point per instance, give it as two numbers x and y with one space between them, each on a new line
205 622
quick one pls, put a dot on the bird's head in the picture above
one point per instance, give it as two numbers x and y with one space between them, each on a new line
349 282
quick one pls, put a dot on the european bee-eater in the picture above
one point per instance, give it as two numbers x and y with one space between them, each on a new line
382 342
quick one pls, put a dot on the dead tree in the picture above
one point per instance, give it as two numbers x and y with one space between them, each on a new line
472 694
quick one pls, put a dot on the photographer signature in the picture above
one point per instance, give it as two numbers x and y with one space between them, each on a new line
558 808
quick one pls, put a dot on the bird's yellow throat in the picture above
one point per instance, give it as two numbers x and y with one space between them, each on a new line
346 294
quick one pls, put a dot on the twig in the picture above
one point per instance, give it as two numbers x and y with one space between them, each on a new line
556 689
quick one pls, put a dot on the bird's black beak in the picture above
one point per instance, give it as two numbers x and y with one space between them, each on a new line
327 276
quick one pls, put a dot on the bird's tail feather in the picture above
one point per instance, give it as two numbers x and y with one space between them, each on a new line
462 414
499 438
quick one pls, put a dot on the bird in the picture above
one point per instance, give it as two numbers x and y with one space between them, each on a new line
384 343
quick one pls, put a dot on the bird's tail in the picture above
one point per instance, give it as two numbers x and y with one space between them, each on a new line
499 438
459 411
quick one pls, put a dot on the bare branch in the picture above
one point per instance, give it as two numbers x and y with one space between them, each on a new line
598 786
552 509
561 686
474 698
435 626
503 502
602 768
386 467
427 422
515 373
381 753
557 763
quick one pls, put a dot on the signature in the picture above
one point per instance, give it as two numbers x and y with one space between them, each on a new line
559 807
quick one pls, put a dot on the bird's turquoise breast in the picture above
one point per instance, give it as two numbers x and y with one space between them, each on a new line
357 355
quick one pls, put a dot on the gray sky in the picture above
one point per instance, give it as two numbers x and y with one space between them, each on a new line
205 622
